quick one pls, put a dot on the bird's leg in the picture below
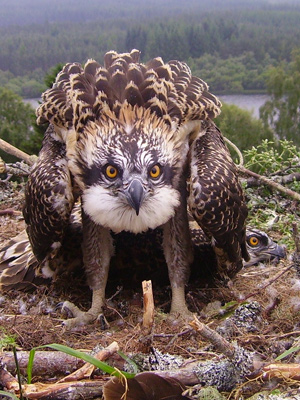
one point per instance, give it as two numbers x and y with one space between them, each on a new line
179 255
97 248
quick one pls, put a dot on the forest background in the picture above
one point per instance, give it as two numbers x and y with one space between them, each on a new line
235 46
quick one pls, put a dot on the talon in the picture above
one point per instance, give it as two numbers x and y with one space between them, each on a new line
76 317
59 306
102 321
71 310
84 319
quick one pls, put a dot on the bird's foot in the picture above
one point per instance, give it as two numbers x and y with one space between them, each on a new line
80 317
181 313
180 318
179 309
84 317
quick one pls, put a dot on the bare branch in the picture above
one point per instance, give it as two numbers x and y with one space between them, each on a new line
281 371
87 369
270 182
214 338
148 316
50 362
283 179
264 179
12 150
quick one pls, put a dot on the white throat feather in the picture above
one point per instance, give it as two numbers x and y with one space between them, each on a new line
115 213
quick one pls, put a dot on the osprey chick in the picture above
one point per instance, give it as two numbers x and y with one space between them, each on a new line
137 143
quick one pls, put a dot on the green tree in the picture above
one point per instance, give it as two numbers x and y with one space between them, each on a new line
136 38
52 73
281 113
241 128
17 124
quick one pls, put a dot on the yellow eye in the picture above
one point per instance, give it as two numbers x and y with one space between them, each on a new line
155 171
253 241
111 172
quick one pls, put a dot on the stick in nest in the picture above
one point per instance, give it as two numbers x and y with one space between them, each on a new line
148 316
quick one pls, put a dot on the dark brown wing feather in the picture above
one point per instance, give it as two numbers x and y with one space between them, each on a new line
216 199
48 198
20 269
18 265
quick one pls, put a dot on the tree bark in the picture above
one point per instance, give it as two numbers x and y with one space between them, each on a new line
46 363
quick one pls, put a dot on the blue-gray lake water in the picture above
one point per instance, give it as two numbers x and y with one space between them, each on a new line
250 102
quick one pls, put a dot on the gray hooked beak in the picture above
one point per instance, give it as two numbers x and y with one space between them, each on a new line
135 195
277 251
272 254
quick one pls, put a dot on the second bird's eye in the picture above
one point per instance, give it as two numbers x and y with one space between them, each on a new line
155 171
253 241
111 172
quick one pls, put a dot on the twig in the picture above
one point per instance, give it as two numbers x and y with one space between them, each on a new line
171 335
284 179
282 371
269 282
10 149
148 316
10 211
236 149
118 291
283 171
64 391
7 380
87 369
214 338
67 388
224 373
18 169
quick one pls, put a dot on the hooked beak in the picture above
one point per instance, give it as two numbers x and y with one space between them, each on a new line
135 195
272 254
277 251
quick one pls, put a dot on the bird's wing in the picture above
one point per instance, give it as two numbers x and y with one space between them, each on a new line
20 269
216 199
48 198
18 264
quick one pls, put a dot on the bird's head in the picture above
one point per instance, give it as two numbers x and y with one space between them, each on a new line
128 171
262 248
